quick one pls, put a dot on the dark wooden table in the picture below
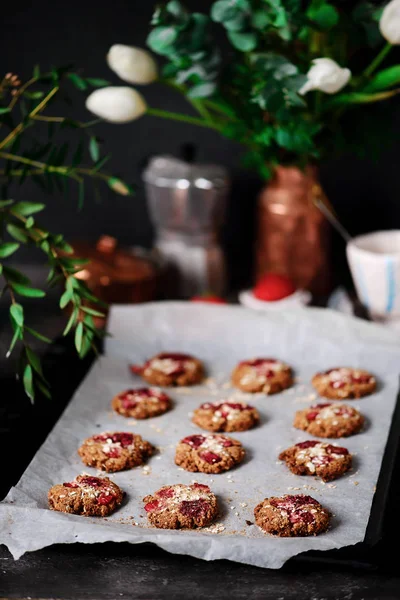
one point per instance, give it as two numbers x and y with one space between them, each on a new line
102 571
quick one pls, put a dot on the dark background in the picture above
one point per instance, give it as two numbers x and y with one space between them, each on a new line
366 194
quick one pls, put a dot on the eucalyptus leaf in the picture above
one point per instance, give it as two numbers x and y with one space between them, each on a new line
34 360
7 249
15 276
38 335
96 82
245 42
161 39
78 81
79 336
29 292
17 313
28 382
27 208
384 79
17 233
202 90
94 149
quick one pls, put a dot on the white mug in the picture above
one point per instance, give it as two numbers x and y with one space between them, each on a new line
374 260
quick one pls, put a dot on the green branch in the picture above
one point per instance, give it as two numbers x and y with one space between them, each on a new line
378 59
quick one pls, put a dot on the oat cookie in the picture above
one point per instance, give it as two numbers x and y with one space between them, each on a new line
329 419
141 403
262 375
343 382
226 416
177 506
115 451
327 461
86 495
168 369
291 515
209 453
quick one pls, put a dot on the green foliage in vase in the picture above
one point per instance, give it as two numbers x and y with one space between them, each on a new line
293 71
53 164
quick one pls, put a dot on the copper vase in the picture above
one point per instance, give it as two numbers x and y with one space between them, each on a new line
293 236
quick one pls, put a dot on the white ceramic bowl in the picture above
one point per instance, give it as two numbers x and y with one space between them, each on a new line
299 298
374 261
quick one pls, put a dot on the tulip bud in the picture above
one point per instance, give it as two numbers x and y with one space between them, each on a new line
116 104
325 75
133 65
389 24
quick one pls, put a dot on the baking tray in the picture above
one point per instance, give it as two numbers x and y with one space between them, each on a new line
358 554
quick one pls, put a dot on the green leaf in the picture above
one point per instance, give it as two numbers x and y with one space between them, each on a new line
245 42
224 10
34 95
36 72
4 110
120 186
28 292
17 313
7 249
17 335
71 321
17 233
384 79
44 389
94 149
323 14
91 311
78 81
78 336
4 203
65 298
29 222
260 19
15 276
202 90
161 39
34 360
28 382
95 82
359 98
38 335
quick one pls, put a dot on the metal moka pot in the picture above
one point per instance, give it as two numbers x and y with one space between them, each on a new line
187 206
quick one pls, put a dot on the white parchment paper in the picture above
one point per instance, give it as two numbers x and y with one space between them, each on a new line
308 339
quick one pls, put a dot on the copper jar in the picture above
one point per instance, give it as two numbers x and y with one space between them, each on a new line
293 236
117 275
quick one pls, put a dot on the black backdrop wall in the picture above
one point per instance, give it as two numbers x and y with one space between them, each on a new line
365 194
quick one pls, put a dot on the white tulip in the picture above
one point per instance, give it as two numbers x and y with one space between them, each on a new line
133 65
116 104
389 24
325 75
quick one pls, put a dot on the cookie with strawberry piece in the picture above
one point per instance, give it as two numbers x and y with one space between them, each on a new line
209 453
181 506
167 369
292 516
224 415
142 403
329 420
86 495
311 457
344 383
115 451
266 375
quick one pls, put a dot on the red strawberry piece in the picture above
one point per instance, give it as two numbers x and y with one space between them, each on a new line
273 287
193 440
308 444
71 484
105 499
150 506
136 369
312 414
113 453
210 457
225 442
200 486
331 449
209 298
194 508
166 493
92 481
361 379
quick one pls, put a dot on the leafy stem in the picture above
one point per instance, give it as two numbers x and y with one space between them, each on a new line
378 59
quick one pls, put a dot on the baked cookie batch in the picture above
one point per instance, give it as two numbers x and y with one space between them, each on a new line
192 506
